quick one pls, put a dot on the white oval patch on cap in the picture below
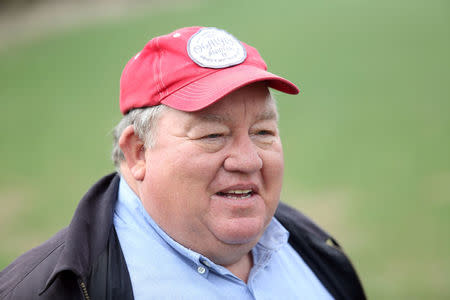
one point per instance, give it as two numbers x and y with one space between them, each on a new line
215 48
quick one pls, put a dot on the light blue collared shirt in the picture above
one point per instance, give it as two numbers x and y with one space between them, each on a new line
161 268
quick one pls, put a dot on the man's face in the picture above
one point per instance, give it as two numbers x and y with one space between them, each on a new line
213 178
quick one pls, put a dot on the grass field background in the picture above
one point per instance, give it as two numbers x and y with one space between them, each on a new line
367 143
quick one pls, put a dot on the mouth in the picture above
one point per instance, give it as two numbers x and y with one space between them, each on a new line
239 191
237 194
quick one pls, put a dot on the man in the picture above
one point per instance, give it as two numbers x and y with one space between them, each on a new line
191 212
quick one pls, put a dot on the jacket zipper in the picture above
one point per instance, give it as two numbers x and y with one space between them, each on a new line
84 290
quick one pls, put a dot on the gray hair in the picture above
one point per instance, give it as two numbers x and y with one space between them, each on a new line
144 121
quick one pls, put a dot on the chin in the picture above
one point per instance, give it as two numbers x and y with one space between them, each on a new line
241 231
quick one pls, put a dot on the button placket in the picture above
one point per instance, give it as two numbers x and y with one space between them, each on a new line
206 263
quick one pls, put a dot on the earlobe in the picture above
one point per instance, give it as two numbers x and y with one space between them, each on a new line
134 151
138 171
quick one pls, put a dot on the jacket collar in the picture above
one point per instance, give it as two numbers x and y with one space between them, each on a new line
88 232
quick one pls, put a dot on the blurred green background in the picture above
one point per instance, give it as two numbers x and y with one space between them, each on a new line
367 143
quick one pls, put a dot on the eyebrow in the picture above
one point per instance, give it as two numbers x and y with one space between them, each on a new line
214 118
265 115
268 115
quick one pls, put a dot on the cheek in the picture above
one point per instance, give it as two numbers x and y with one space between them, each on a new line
182 175
174 192
274 164
273 176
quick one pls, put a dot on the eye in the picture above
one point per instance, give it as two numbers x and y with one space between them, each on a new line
265 132
213 136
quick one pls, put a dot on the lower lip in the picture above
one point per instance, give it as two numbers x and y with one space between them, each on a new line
237 201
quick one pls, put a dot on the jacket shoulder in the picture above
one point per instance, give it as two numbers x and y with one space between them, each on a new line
297 222
322 254
31 269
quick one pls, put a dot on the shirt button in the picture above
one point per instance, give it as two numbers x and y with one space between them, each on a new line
201 270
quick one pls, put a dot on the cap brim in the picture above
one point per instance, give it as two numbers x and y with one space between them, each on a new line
209 89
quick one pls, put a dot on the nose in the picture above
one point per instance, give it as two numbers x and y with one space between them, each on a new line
243 157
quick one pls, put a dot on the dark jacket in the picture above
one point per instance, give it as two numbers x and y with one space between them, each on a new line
85 261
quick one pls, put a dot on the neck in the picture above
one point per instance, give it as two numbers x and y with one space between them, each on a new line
241 268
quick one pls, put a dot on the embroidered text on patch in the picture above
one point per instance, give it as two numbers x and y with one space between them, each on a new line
215 48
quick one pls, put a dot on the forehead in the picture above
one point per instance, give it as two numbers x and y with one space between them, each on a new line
247 105
250 101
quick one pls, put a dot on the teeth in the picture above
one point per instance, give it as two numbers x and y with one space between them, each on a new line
238 197
239 191
237 194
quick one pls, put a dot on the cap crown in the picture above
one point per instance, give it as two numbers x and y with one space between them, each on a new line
164 66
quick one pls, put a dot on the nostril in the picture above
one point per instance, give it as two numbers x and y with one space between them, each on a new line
244 156
243 162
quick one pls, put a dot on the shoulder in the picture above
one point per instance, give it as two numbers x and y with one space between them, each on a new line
322 253
55 266
29 272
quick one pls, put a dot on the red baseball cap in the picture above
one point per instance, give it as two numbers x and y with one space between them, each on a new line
192 68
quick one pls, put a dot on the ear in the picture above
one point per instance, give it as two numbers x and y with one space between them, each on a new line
134 151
